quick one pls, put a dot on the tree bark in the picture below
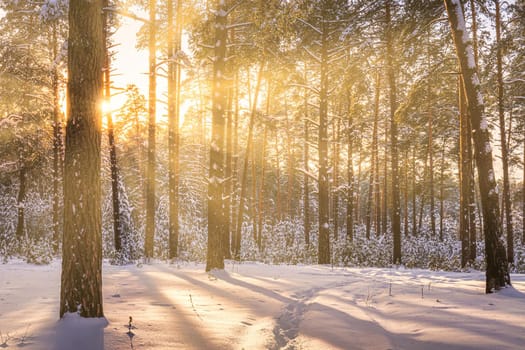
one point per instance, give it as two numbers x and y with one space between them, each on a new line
81 281
174 46
396 220
497 274
216 190
464 176
57 146
504 150
350 170
371 204
152 110
117 227
324 187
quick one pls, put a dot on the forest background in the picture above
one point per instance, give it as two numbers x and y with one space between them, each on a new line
311 134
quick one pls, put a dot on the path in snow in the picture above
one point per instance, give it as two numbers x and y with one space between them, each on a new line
255 306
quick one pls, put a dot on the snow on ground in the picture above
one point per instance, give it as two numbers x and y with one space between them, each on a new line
255 306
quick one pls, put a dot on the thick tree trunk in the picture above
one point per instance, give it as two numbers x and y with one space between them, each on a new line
81 282
216 217
396 220
497 274
151 172
504 150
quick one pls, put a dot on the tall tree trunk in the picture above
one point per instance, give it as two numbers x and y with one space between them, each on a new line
174 45
396 220
244 174
216 217
414 192
22 190
253 203
117 227
464 175
431 175
371 204
350 170
384 189
306 195
504 150
497 274
472 195
335 179
324 187
57 145
290 164
228 171
262 184
151 172
442 191
81 280
405 195
278 205
358 199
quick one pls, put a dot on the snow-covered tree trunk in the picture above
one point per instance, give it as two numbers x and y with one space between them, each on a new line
81 287
497 274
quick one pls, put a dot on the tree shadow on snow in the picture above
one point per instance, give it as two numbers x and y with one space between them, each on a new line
75 332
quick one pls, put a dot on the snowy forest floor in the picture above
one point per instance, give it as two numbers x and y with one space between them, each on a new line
255 306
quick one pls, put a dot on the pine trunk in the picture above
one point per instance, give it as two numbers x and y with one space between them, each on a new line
81 281
396 220
174 39
57 146
504 150
151 171
464 176
324 186
216 217
117 228
497 274
350 172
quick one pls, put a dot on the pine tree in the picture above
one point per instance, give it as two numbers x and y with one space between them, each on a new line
81 287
